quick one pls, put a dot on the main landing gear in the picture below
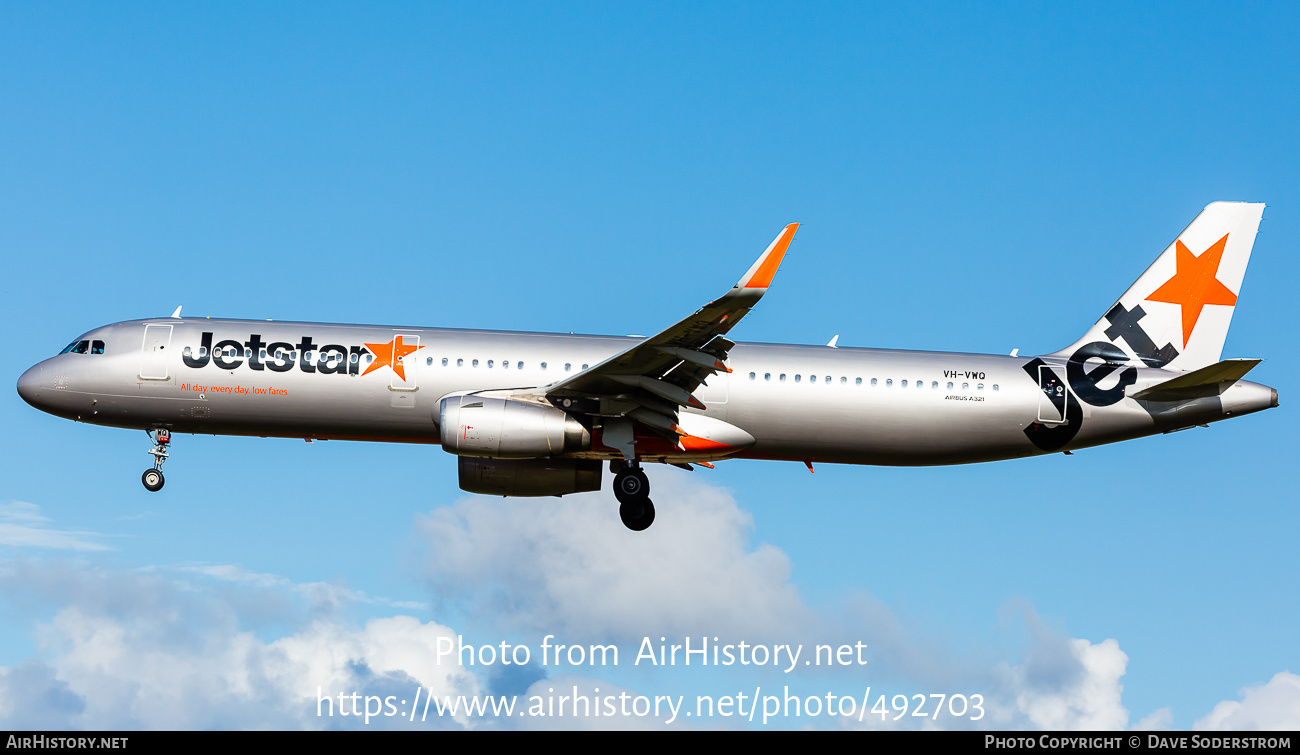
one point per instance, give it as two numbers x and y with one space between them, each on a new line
153 478
632 490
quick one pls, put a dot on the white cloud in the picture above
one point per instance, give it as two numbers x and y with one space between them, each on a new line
136 649
1087 698
22 525
1159 720
172 648
570 568
1274 706
317 593
1063 684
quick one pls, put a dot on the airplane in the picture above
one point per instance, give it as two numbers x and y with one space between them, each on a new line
540 414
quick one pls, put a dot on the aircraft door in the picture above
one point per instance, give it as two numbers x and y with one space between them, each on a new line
153 357
715 390
1052 398
714 393
406 361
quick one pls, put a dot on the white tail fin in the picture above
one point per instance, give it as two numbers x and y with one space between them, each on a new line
1177 314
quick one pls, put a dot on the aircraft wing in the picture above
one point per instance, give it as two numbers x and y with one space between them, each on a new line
661 372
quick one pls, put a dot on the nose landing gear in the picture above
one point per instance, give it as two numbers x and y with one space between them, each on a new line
632 489
153 478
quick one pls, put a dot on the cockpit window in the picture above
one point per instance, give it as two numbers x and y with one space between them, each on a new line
76 347
96 347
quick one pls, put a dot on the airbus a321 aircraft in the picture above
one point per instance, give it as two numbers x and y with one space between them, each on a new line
536 414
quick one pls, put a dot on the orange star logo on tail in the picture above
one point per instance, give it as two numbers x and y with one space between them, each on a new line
1195 284
390 354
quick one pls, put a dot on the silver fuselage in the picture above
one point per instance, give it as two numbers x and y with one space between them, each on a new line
801 403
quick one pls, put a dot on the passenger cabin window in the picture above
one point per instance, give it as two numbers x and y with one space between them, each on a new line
873 382
859 381
460 362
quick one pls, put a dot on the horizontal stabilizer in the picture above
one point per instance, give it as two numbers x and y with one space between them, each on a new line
1207 381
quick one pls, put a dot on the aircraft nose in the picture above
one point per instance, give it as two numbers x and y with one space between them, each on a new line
29 385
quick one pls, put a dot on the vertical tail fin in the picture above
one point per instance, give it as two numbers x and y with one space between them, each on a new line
1177 314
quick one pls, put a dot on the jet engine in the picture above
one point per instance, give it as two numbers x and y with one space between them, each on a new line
501 428
529 477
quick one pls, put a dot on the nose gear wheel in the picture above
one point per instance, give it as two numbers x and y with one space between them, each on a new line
153 478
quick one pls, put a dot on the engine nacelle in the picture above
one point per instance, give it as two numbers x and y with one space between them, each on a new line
501 428
529 477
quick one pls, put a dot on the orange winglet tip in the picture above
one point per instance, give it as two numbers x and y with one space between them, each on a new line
809 465
705 464
761 274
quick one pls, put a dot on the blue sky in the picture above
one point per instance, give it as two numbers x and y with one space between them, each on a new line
969 177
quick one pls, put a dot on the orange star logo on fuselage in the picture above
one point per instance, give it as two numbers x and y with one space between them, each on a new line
390 354
1195 284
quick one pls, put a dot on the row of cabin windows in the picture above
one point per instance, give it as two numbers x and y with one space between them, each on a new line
84 347
231 351
889 382
492 364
